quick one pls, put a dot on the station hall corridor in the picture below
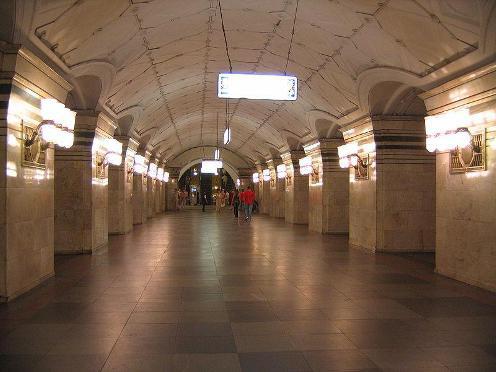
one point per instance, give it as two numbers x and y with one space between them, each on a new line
194 291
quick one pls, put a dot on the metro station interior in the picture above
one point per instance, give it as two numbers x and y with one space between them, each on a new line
371 153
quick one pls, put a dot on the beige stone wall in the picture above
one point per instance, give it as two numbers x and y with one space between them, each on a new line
466 203
26 193
394 209
171 195
265 208
329 194
150 197
140 202
121 194
296 195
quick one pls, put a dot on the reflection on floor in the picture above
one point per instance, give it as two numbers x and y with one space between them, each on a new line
194 291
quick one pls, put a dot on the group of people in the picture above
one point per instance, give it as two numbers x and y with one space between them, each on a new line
181 198
243 199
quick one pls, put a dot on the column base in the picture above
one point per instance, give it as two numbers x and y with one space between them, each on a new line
29 287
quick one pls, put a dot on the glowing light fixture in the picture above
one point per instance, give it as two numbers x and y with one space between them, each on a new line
139 166
217 154
348 157
160 174
114 151
256 178
227 136
281 171
152 170
254 86
166 177
306 165
266 174
211 166
448 131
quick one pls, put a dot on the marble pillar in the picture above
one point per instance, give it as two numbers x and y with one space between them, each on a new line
296 186
392 210
81 188
277 190
121 189
26 183
466 201
328 189
140 201
172 188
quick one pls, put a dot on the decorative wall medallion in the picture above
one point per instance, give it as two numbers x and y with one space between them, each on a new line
33 150
315 175
289 180
471 158
130 171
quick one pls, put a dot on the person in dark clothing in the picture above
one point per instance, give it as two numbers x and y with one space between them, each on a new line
235 203
204 201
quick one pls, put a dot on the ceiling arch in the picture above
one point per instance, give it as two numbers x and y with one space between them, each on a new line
163 56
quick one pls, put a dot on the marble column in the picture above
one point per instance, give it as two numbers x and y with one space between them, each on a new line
466 201
140 192
26 183
277 190
81 188
297 185
392 210
121 189
151 191
172 188
328 189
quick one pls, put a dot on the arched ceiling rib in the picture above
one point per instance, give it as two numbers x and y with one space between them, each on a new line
168 53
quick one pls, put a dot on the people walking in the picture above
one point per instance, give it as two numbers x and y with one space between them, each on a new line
248 198
204 201
235 203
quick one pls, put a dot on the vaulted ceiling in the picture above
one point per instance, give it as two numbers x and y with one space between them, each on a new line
166 56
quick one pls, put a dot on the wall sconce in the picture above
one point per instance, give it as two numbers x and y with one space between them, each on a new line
57 127
166 177
112 156
255 178
266 174
348 157
160 174
138 167
152 171
281 171
216 154
238 183
306 167
449 132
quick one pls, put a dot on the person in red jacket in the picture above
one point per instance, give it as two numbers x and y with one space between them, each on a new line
248 198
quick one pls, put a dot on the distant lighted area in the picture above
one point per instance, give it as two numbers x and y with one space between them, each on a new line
252 86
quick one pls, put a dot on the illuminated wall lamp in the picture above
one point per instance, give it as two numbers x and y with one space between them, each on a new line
256 178
152 171
281 171
112 156
166 177
160 174
57 127
348 157
306 167
266 174
449 132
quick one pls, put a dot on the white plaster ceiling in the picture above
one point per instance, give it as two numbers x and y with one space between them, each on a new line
167 55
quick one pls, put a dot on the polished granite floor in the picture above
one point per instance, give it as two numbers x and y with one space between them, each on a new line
194 291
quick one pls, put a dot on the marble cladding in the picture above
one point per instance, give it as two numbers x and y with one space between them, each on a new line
329 192
151 188
466 203
296 186
393 211
120 196
140 201
171 194
277 190
265 205
26 193
81 193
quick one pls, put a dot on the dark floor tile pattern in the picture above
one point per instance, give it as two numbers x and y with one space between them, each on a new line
198 292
